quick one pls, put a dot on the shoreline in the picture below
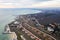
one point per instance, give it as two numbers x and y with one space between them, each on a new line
12 34
14 31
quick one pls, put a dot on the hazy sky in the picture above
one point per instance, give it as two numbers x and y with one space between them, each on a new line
29 3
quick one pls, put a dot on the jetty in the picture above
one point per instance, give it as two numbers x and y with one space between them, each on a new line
13 35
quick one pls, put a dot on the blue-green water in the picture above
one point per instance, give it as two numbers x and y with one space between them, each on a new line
7 15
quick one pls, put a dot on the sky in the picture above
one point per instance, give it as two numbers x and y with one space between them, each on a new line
29 3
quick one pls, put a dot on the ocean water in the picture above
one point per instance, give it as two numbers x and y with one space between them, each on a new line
8 14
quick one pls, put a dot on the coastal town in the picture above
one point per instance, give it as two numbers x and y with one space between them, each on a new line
29 19
29 28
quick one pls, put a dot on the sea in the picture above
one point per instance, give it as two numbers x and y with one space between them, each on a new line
7 15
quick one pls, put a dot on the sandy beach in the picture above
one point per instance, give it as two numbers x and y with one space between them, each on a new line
13 36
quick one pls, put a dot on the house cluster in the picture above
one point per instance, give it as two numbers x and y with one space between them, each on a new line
30 34
14 24
53 27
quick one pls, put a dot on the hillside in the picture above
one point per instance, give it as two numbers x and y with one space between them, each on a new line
47 16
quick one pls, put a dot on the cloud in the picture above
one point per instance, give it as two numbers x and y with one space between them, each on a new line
14 1
29 3
47 4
